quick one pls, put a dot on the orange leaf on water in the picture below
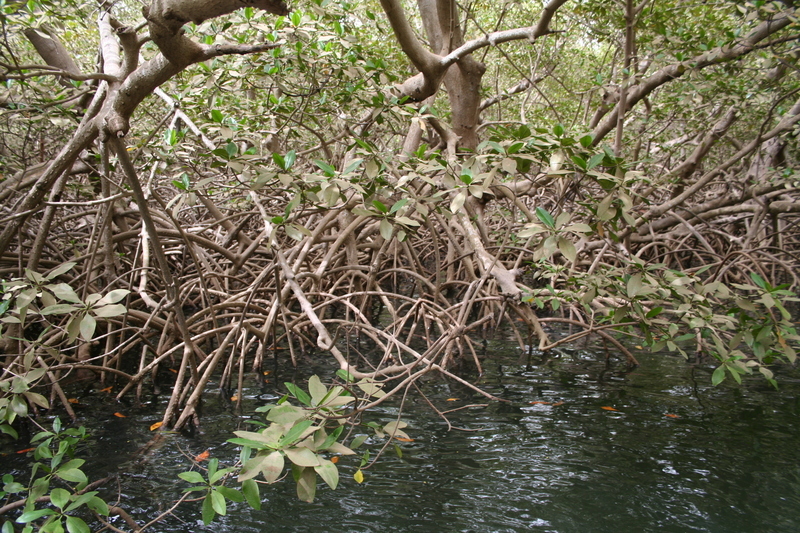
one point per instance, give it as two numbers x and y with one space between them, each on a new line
335 459
672 416
234 398
173 370
72 400
557 404
26 450
120 415
452 399
267 372
543 403
156 426
203 456
403 439
107 389
607 408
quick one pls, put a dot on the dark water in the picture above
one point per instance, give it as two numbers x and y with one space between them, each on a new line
727 461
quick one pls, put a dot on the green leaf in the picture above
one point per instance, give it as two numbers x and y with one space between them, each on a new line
345 375
295 231
251 494
216 115
98 505
545 217
579 162
358 441
76 525
330 439
192 477
231 494
654 312
295 433
758 280
72 475
231 149
30 516
326 168
380 206
208 510
299 393
398 205
59 497
218 502
339 449
595 160
219 474
290 158
718 376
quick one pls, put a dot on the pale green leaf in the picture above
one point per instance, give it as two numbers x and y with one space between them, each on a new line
302 456
113 297
61 269
566 247
458 202
386 229
307 485
87 327
316 389
328 472
58 309
108 311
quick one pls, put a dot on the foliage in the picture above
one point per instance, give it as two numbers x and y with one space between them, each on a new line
56 478
299 434
321 183
31 303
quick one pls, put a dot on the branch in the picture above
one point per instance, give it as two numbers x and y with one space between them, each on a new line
670 72
532 33
151 74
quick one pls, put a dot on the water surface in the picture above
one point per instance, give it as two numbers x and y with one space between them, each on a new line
674 454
